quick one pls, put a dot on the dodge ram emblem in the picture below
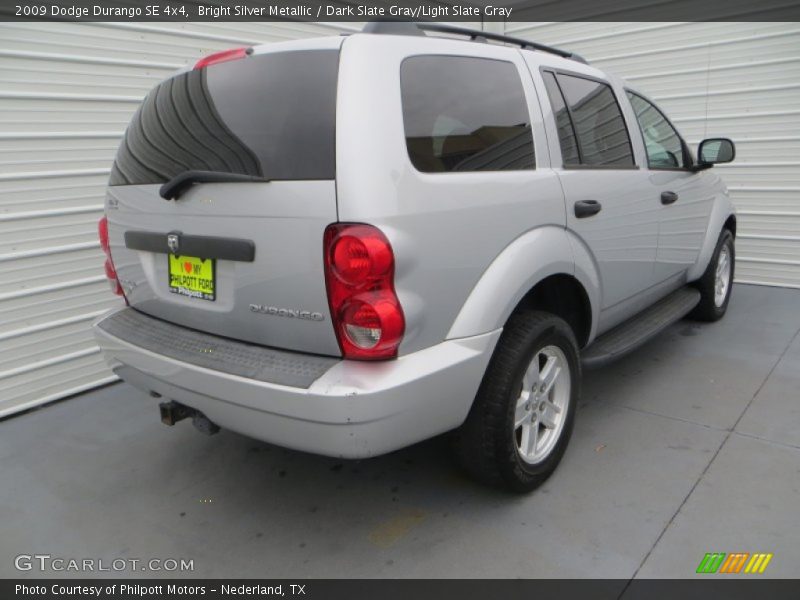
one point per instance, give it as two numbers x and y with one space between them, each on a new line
173 242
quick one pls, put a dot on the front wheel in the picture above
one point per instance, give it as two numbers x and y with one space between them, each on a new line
522 417
716 283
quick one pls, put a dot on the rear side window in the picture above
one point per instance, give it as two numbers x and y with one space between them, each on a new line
269 115
465 114
596 121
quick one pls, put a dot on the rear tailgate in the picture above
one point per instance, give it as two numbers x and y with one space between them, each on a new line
241 260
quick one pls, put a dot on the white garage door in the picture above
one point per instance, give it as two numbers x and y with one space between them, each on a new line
738 80
68 90
66 94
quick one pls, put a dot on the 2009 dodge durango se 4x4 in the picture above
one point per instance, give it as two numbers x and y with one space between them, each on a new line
347 245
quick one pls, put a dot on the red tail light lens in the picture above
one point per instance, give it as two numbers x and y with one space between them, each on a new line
111 272
102 232
359 273
358 258
220 57
109 268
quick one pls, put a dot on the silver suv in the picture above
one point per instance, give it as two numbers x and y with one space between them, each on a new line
347 245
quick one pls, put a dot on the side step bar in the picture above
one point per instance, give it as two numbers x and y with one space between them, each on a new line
636 331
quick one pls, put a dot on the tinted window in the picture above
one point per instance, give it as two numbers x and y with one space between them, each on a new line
662 143
602 136
465 114
566 134
270 115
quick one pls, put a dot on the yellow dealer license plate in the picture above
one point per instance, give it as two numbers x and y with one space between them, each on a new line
192 276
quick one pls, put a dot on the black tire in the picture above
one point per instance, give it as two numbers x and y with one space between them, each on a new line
486 445
707 309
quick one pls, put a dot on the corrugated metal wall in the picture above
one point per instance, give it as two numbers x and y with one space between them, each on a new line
68 90
66 94
738 80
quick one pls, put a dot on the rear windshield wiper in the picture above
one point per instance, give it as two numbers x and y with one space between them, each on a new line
173 189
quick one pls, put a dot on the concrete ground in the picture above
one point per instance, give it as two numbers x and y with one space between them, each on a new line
690 445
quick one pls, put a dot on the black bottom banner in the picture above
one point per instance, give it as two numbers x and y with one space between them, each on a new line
397 589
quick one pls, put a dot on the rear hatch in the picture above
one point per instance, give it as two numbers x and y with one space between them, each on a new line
241 259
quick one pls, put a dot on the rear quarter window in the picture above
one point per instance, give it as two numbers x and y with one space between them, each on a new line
268 115
465 114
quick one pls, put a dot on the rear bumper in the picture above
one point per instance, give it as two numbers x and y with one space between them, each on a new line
352 410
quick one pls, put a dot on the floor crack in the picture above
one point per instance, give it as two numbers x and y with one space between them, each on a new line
728 434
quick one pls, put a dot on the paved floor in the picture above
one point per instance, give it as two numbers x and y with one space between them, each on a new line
690 445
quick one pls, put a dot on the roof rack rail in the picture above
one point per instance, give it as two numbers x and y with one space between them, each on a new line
392 27
410 28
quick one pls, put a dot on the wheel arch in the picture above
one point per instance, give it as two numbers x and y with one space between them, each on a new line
542 269
564 296
730 224
723 216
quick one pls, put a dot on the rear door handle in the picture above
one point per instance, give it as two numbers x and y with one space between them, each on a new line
587 208
668 197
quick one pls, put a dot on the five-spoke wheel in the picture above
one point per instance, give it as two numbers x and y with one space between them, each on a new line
717 281
541 405
521 420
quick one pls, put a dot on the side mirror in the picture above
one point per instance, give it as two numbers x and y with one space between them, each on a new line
714 151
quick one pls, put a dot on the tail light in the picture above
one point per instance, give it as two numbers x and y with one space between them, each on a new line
111 272
359 274
220 57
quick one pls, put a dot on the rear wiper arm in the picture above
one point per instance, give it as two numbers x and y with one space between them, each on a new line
173 189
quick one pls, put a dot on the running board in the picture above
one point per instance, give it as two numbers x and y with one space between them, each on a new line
636 331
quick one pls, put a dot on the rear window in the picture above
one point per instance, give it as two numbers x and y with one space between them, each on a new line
465 114
269 115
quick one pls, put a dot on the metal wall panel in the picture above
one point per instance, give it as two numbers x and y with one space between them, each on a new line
67 91
739 80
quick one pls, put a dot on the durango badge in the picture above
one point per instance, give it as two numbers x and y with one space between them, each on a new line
287 312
